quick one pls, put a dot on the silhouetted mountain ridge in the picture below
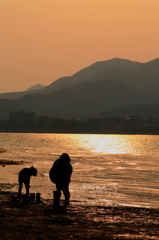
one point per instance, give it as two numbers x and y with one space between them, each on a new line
35 87
151 67
101 87
78 77
88 72
87 99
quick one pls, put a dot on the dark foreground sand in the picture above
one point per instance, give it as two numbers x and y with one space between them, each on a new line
38 221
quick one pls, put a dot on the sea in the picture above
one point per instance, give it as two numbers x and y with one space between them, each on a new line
108 169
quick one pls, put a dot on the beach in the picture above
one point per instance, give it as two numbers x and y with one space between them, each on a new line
40 221
111 194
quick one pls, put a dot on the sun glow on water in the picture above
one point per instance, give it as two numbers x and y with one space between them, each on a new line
117 144
108 144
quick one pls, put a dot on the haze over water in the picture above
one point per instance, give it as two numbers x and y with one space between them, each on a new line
108 169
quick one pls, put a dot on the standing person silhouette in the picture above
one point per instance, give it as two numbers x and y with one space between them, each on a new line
60 174
24 177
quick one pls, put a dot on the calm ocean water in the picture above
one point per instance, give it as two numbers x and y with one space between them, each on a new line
108 169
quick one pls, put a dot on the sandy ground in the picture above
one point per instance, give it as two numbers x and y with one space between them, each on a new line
40 221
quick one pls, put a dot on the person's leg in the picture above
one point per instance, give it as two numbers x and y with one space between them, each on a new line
20 190
66 192
27 188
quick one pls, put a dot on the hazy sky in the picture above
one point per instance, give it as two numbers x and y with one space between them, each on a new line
43 40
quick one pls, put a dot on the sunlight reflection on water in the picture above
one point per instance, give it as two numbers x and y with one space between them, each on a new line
119 169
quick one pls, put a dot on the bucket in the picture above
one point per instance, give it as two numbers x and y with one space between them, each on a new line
13 197
25 199
38 197
32 197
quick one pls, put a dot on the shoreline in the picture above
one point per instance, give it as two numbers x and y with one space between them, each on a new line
146 200
40 221
95 133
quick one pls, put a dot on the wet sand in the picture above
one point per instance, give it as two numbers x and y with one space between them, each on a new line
40 221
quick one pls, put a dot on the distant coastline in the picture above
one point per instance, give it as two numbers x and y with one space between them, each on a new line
45 124
67 132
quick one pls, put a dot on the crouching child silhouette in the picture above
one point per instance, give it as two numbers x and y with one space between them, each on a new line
60 174
24 177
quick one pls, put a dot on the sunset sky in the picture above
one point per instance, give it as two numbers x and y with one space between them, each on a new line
43 40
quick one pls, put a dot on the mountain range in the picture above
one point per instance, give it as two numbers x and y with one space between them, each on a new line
116 87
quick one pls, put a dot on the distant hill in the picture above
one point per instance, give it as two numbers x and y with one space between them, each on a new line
87 99
79 77
98 89
12 95
149 68
16 95
85 74
137 111
35 87
142 76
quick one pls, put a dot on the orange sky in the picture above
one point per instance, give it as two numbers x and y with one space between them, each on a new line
42 40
